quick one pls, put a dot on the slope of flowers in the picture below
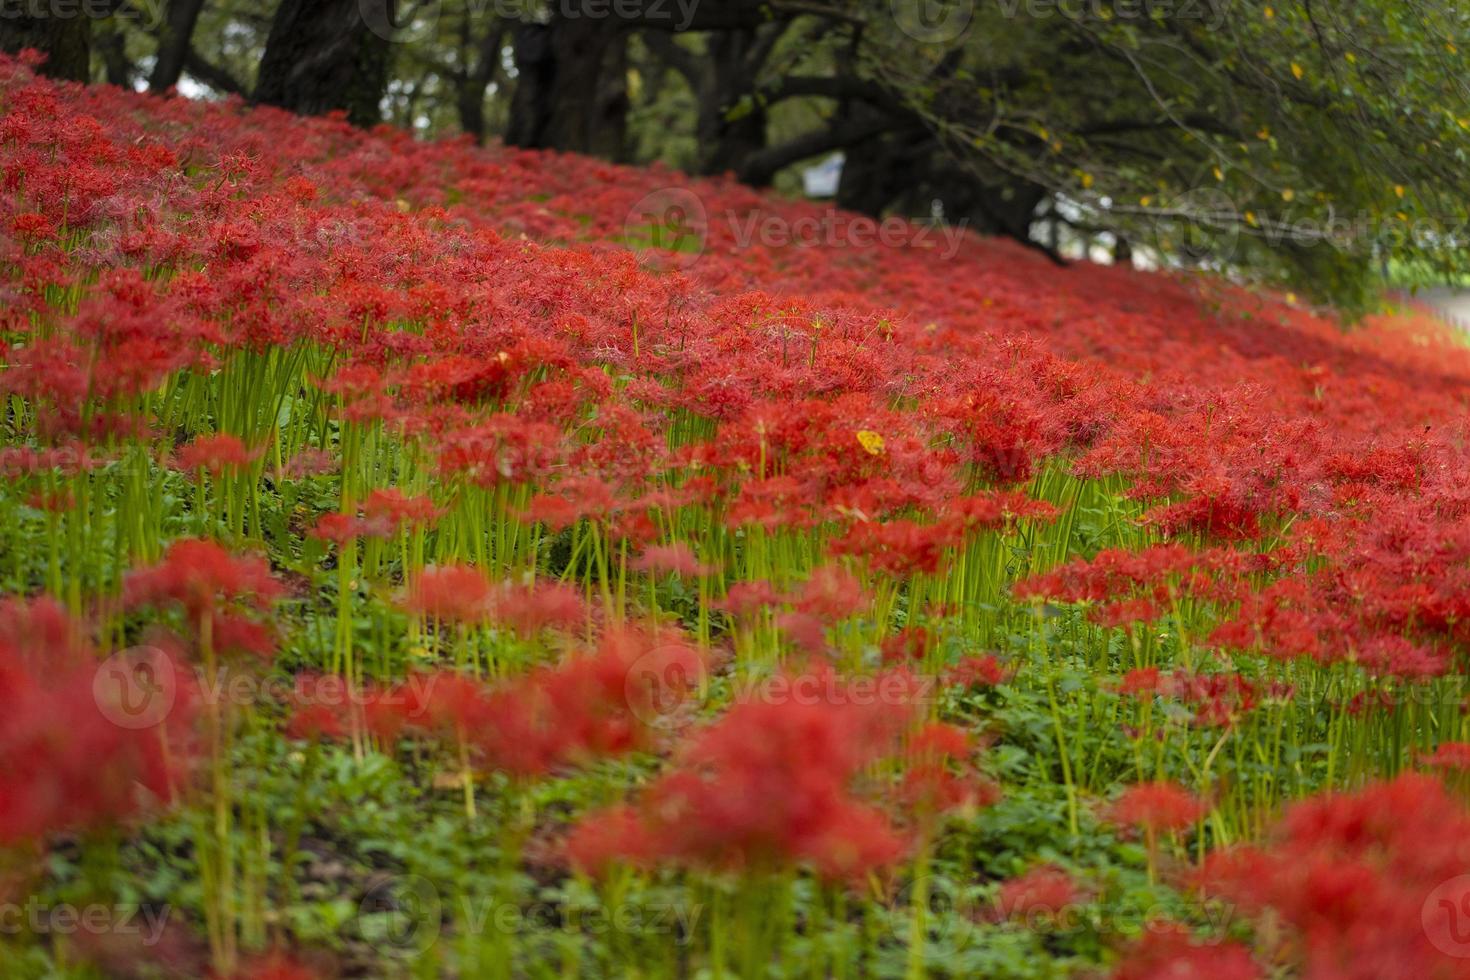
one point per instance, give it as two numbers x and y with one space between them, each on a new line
906 606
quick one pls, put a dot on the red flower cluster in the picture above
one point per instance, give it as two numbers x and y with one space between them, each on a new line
771 785
462 594
1157 806
1367 884
204 579
70 758
605 701
1167 952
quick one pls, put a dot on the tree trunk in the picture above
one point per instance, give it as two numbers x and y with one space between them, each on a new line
64 36
326 55
571 89
872 177
113 49
174 38
725 143
483 60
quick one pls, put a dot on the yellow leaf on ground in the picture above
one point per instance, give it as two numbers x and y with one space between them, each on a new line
871 442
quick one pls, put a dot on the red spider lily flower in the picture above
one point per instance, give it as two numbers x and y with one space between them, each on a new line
912 643
996 510
32 226
1141 682
234 633
41 635
744 600
450 594
1364 884
671 559
831 593
391 509
899 547
982 671
201 576
216 455
52 501
599 703
804 631
311 462
769 786
530 608
1126 613
275 965
1454 756
340 529
1169 953
1039 897
582 498
1157 806
938 777
938 740
77 752
609 838
1155 573
1218 700
313 722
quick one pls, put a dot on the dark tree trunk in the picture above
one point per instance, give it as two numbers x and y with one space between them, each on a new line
174 38
63 35
571 89
326 55
727 139
470 101
874 177
115 63
483 61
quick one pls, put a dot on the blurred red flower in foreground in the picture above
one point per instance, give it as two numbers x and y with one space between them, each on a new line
67 762
1371 884
1158 806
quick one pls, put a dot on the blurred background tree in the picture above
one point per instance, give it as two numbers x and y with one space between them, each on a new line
1317 145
